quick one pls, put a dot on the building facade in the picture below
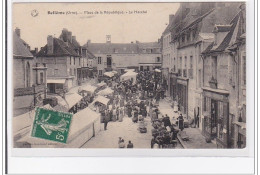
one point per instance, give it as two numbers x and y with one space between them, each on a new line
191 32
224 103
63 61
121 56
29 81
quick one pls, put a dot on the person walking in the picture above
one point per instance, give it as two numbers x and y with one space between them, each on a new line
181 122
106 120
130 144
122 144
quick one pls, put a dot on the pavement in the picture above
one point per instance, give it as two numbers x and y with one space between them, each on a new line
195 138
127 130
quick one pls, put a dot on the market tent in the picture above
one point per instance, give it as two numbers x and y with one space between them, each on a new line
129 76
101 99
157 70
109 74
101 84
85 124
114 72
71 100
22 124
84 121
22 121
106 91
89 88
129 70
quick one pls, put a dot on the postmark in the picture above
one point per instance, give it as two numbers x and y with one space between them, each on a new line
51 125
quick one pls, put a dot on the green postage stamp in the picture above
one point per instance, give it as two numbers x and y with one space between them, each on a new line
51 125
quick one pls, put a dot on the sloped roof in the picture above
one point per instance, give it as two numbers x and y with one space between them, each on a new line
19 48
231 35
60 48
204 16
111 48
149 45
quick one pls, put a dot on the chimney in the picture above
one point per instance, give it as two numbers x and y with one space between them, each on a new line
108 38
49 44
70 36
18 32
74 38
36 49
170 18
65 34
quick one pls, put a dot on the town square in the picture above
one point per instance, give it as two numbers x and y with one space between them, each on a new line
185 88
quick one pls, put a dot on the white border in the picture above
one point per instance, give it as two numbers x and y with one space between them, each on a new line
137 161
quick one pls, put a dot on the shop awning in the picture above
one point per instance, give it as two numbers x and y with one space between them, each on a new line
89 88
109 74
129 70
57 81
71 100
101 84
157 70
106 91
101 99
82 119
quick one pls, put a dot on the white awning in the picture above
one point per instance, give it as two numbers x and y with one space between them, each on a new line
82 119
157 70
58 81
106 91
129 70
101 99
101 84
129 74
109 74
89 88
71 99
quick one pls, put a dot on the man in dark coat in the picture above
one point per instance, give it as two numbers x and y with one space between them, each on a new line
106 120
181 122
166 121
130 144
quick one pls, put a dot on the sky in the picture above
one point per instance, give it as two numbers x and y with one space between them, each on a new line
88 25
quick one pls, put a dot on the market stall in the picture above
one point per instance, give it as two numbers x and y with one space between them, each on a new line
70 100
130 75
106 91
100 103
85 124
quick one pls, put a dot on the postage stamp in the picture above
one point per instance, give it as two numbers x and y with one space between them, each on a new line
51 125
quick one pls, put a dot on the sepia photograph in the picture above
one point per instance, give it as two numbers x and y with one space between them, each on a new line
129 75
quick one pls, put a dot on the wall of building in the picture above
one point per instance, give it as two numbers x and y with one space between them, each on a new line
19 67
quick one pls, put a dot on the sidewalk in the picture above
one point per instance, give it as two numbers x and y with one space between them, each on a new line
196 139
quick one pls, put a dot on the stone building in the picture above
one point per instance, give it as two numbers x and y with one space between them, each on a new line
63 62
121 56
191 33
29 78
223 115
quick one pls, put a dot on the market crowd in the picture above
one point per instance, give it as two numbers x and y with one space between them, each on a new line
137 99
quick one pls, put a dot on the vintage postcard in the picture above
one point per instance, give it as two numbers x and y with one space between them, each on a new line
129 75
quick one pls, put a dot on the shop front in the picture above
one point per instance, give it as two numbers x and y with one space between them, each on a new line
182 94
215 124
173 86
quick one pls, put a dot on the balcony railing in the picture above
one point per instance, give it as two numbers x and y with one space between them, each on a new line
184 72
190 71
